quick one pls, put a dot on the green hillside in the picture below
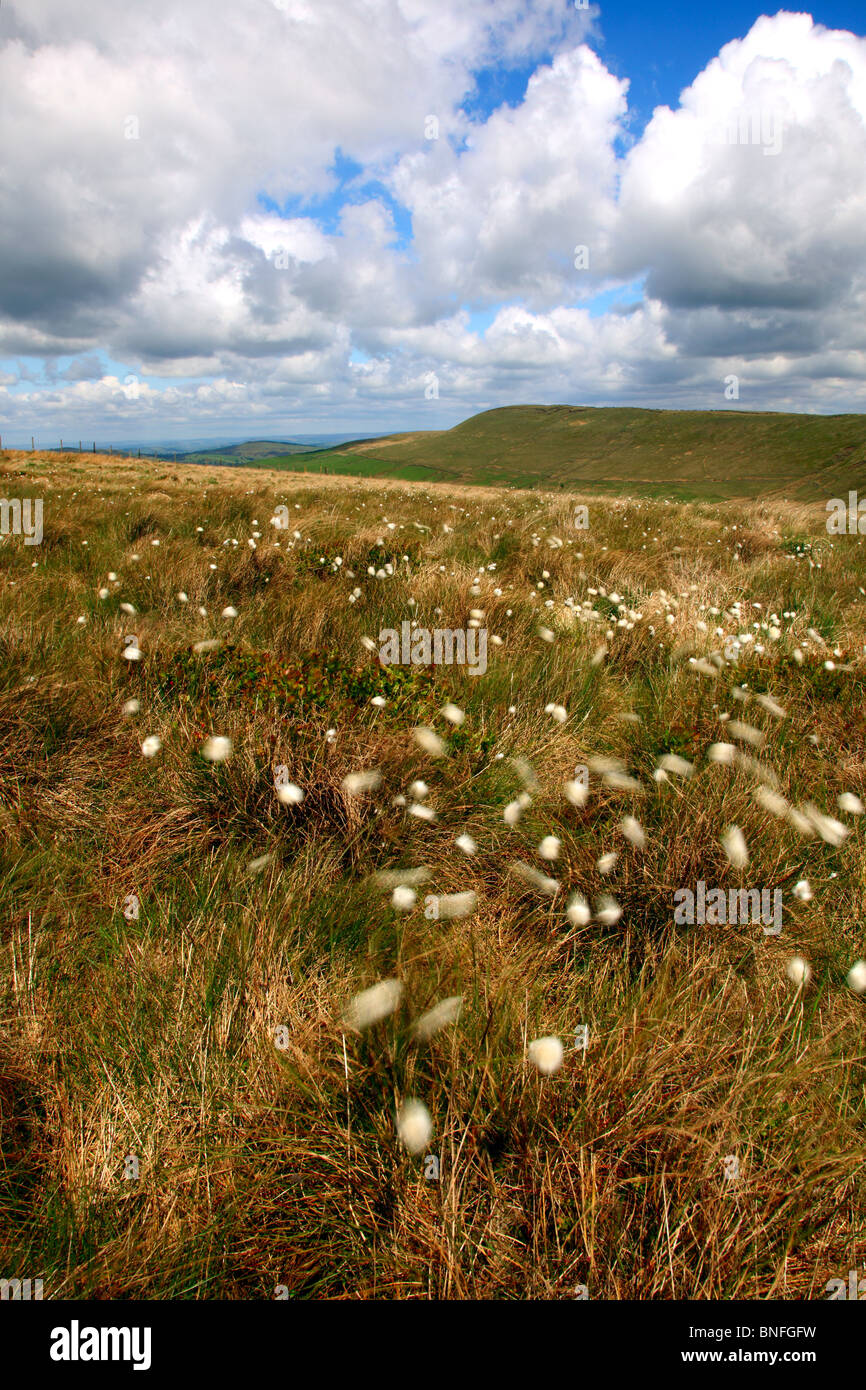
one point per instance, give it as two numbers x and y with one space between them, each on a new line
250 452
682 453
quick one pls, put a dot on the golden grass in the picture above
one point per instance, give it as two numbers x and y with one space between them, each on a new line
263 1165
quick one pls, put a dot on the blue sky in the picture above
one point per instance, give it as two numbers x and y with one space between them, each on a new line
270 256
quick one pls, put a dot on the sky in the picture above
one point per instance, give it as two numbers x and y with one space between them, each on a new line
281 217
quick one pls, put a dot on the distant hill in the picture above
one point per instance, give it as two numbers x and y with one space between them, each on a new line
249 452
686 454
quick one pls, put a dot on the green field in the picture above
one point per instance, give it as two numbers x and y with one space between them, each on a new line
682 454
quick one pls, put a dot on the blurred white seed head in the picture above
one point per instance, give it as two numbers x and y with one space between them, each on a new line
734 845
216 748
549 847
633 831
578 912
856 977
546 1054
414 1126
430 742
445 1012
798 970
151 745
374 1004
357 783
289 794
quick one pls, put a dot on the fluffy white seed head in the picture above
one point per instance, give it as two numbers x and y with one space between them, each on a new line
445 1012
856 977
374 1004
734 845
798 970
546 1054
216 748
414 1126
289 794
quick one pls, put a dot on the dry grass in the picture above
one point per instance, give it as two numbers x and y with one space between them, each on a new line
264 1165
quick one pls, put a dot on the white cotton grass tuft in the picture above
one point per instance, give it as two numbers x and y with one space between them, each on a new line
607 862
414 1126
578 912
217 748
418 790
129 608
392 878
832 831
734 845
633 831
856 977
512 813
210 644
429 741
549 847
255 866
132 653
746 733
466 843
132 706
151 745
577 793
771 801
724 753
769 704
454 905
672 762
421 811
445 1012
403 898
379 701
803 891
607 910
798 970
374 1004
546 1054
534 878
848 802
289 794
229 612
557 712
357 783
453 713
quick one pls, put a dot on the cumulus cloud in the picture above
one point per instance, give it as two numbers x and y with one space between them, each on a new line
254 216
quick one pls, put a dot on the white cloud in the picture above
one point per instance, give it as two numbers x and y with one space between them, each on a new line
158 249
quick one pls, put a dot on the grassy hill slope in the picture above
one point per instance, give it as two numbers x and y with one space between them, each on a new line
684 453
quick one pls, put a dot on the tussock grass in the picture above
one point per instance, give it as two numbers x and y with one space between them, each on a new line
206 1036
